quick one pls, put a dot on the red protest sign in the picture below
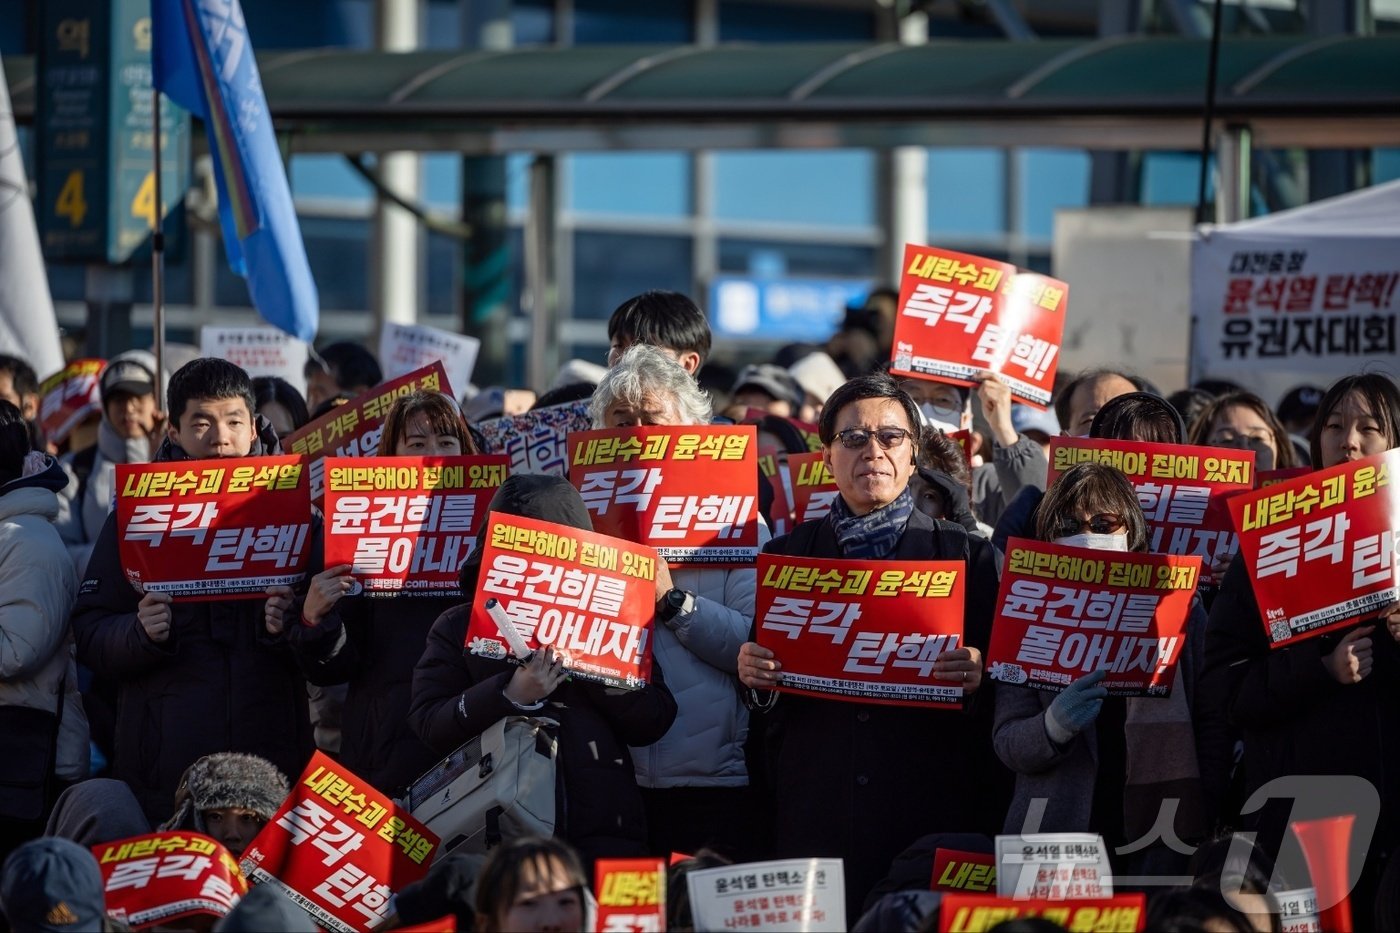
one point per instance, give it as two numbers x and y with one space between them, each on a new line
813 486
69 396
689 492
590 596
340 848
1182 490
1321 548
407 523
774 470
956 870
978 913
1063 612
214 529
535 441
163 877
964 441
353 429
868 631
960 314
1266 478
631 894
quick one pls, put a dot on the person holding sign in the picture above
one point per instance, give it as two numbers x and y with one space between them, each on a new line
1099 763
1327 705
194 678
372 644
458 695
694 780
858 780
1241 420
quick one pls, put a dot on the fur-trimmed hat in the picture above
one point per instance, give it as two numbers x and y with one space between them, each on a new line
227 779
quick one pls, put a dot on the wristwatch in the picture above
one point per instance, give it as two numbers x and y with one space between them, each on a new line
675 602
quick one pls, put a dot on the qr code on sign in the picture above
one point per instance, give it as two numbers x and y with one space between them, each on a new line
1279 630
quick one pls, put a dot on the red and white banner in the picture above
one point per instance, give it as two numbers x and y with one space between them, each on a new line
353 429
404 348
407 523
800 895
960 314
590 596
1266 478
631 895
979 913
1053 866
214 529
165 877
340 848
259 351
956 870
1063 612
813 487
1182 490
535 442
689 492
868 631
69 396
1321 548
774 470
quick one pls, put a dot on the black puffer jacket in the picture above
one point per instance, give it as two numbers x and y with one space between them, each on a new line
219 683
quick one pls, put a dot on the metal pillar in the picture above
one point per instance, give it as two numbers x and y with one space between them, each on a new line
108 294
1233 154
903 178
541 297
397 236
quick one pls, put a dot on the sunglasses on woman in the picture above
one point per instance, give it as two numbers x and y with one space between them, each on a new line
857 438
1105 523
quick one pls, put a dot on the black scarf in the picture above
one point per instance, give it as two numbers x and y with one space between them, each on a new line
872 536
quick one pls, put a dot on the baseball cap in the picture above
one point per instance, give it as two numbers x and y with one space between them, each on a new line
770 378
818 375
52 885
132 372
1024 418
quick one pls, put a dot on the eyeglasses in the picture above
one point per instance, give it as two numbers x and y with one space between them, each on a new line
857 438
1105 523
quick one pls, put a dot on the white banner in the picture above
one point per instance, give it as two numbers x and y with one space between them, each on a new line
261 351
406 347
1053 867
800 895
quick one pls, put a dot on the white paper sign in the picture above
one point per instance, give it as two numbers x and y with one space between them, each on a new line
261 351
406 347
1053 867
800 895
1297 910
535 441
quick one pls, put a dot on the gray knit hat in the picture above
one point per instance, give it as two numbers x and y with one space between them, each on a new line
227 779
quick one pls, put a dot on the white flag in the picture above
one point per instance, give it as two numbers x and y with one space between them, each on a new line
28 328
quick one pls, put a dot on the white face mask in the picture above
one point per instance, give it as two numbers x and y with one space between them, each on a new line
1097 542
946 420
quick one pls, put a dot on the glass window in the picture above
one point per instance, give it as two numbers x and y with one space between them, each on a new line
1171 178
966 193
277 24
327 176
833 188
442 180
621 21
337 249
648 184
1385 165
533 21
1050 178
747 21
611 267
770 259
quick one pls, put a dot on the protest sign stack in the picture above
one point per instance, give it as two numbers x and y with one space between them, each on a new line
69 396
161 878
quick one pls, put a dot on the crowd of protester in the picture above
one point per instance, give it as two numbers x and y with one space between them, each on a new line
162 713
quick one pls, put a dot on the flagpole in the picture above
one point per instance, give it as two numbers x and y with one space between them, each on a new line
158 256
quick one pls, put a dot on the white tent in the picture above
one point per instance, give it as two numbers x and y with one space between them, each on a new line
1299 297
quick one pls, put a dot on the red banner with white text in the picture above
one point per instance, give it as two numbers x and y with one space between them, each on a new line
164 877
631 895
69 396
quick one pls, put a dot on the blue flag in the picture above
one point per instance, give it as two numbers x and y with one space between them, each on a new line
203 61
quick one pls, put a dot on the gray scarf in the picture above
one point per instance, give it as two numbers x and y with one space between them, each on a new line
872 536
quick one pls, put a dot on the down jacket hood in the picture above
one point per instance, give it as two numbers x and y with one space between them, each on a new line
265 444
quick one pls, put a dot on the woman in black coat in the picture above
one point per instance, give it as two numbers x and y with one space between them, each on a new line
457 696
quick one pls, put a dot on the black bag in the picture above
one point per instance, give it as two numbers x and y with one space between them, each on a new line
28 755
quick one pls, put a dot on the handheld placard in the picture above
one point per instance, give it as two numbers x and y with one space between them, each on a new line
508 630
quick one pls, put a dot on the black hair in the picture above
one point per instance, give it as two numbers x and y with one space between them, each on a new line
1232 862
663 319
349 364
22 375
330 405
1093 488
938 451
1284 454
573 392
787 433
500 878
876 385
1139 416
1063 396
1189 403
208 377
268 389
1381 396
1180 910
1214 387
678 915
14 442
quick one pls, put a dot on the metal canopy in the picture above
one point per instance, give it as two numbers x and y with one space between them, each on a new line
1125 92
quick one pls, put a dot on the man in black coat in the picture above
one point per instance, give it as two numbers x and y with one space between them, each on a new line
201 677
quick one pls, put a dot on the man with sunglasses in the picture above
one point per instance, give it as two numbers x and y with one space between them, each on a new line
862 781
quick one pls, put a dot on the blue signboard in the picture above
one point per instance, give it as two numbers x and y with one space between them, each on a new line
781 310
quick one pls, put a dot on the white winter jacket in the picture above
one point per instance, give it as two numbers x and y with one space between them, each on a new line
37 588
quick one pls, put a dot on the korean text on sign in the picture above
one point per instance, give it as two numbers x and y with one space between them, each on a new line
813 486
353 429
535 441
1053 866
862 630
69 396
960 314
978 913
259 351
689 492
1063 612
806 895
340 848
584 593
1182 490
163 877
956 870
631 895
406 524
214 529
1321 548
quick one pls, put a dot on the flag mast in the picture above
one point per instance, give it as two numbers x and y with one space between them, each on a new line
158 249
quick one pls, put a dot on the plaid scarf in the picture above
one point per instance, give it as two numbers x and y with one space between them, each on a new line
872 536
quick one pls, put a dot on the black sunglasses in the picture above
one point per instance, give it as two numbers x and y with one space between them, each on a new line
1105 523
857 438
